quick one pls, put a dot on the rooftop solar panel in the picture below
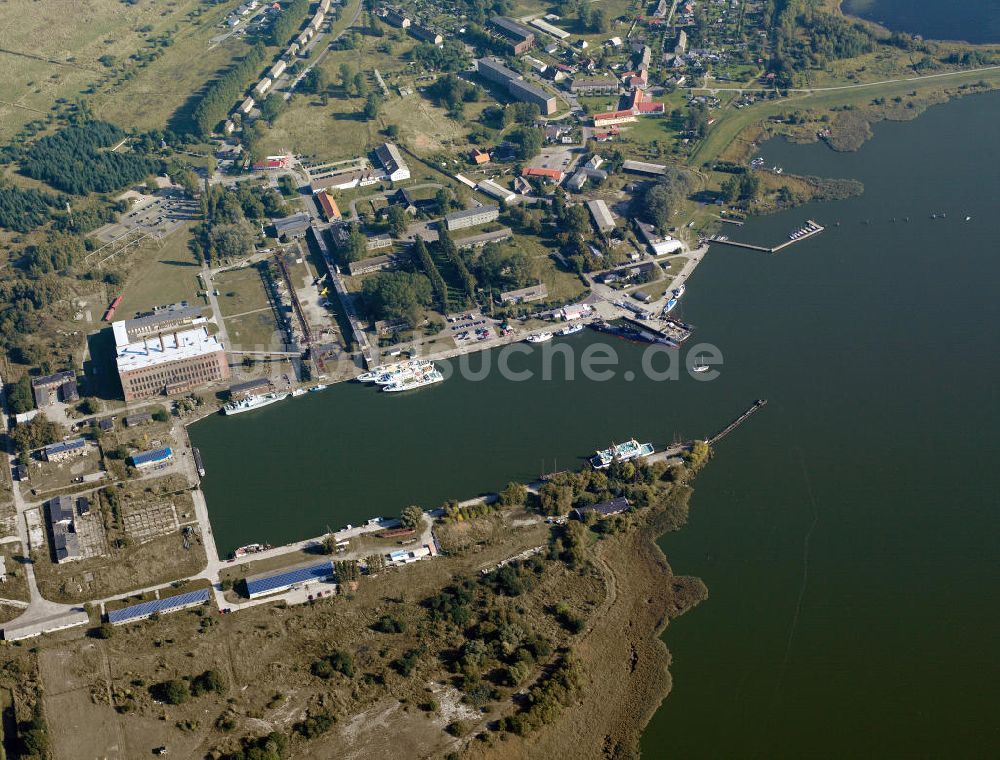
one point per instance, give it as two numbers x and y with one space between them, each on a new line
144 609
283 580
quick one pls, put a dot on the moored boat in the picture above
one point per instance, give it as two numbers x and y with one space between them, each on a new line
243 551
571 329
253 402
630 449
541 337
417 380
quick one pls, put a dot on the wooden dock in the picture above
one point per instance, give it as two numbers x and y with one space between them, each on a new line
811 228
751 410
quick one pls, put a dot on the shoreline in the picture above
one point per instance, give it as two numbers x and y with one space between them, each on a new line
888 31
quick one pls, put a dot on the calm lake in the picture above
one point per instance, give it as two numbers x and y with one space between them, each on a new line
970 20
847 533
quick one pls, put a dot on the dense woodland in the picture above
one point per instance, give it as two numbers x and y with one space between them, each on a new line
803 36
22 210
75 160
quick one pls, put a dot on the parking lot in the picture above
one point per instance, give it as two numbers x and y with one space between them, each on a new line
158 214
470 327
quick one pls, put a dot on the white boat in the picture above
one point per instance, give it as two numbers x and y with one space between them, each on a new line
402 373
571 329
623 452
299 392
417 380
678 292
700 368
372 375
541 337
320 387
253 402
250 549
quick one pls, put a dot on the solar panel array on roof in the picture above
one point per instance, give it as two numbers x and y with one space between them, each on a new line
170 604
281 581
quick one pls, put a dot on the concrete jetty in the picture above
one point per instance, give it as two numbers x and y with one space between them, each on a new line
809 229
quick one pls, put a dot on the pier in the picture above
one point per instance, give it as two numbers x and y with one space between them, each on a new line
753 409
806 231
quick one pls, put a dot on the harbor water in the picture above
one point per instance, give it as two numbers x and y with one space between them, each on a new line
847 532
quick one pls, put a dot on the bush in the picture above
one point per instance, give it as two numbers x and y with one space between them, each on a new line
103 631
210 680
389 624
172 692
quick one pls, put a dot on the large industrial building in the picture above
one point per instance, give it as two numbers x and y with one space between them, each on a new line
514 83
173 360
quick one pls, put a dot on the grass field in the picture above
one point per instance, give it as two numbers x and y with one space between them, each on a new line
253 332
241 291
159 275
149 100
51 50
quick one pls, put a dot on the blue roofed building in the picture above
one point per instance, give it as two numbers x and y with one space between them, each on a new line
151 458
144 610
274 583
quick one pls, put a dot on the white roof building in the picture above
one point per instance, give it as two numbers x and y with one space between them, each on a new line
499 192
158 349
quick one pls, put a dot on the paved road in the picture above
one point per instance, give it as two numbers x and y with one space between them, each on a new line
835 88
318 59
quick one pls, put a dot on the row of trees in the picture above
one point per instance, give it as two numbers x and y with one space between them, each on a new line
219 97
287 23
447 246
423 258
72 160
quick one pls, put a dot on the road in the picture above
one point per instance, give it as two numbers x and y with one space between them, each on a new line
315 61
836 88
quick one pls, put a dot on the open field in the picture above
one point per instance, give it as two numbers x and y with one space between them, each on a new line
158 561
16 584
151 98
264 655
254 332
51 50
241 291
158 275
